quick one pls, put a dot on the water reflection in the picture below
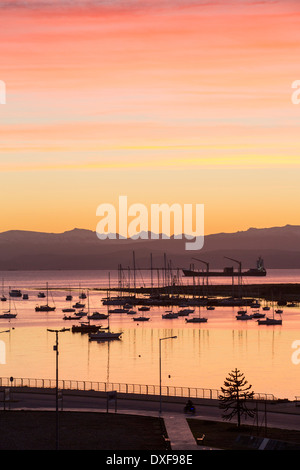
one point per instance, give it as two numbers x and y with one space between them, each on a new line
201 356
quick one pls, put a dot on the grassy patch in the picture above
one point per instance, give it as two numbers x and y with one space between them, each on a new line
223 435
36 430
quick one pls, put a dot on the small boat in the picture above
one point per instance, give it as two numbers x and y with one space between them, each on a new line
243 316
258 315
266 308
141 318
131 312
41 295
118 310
81 313
69 297
97 316
170 315
68 310
85 328
25 297
45 308
8 315
196 320
270 321
78 305
3 298
185 312
102 335
82 295
210 307
66 317
279 311
144 309
15 293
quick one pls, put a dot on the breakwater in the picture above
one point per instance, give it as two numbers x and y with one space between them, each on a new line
214 294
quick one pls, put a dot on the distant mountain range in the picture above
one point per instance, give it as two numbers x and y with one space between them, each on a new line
82 249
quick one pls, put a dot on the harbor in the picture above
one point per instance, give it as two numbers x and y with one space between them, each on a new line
200 356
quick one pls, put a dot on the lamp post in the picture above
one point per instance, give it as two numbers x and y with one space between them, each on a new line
55 348
160 340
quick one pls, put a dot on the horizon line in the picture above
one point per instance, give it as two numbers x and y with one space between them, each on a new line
119 237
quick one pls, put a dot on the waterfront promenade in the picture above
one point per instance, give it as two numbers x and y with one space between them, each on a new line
280 414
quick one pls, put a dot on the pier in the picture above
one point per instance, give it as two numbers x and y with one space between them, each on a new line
224 294
167 285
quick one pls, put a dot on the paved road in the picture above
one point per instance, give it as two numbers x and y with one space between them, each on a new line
281 416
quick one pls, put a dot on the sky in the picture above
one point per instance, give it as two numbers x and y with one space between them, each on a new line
170 101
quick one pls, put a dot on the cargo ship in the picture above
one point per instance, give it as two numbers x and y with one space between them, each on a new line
229 271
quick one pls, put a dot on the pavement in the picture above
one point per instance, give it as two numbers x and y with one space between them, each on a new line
283 414
180 435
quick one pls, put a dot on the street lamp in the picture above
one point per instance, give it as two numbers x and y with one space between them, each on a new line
160 340
55 348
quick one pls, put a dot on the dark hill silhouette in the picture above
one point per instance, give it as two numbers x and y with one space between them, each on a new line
81 249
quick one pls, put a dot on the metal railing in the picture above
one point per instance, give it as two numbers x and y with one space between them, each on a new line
138 389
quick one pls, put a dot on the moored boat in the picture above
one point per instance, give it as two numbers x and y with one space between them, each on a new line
196 320
102 335
141 318
85 327
45 308
170 315
97 316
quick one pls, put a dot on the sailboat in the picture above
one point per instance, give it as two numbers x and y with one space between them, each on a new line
104 334
8 313
97 316
198 319
257 314
184 312
69 296
243 315
270 321
141 318
85 327
169 315
45 308
82 295
3 298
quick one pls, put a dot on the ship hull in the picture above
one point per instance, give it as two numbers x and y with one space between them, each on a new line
252 273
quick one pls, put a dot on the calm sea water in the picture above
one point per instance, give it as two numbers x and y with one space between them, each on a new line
201 355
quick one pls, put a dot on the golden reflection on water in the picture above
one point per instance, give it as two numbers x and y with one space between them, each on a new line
199 356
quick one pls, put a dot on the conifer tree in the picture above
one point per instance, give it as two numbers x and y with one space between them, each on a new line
235 395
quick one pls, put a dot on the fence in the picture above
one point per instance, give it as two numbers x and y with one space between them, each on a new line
139 389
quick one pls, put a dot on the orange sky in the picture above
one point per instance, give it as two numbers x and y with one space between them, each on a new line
171 101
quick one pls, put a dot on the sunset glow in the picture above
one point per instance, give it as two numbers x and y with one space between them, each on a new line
179 101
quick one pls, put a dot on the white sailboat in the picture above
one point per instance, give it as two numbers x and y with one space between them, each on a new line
105 334
8 313
198 319
45 308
